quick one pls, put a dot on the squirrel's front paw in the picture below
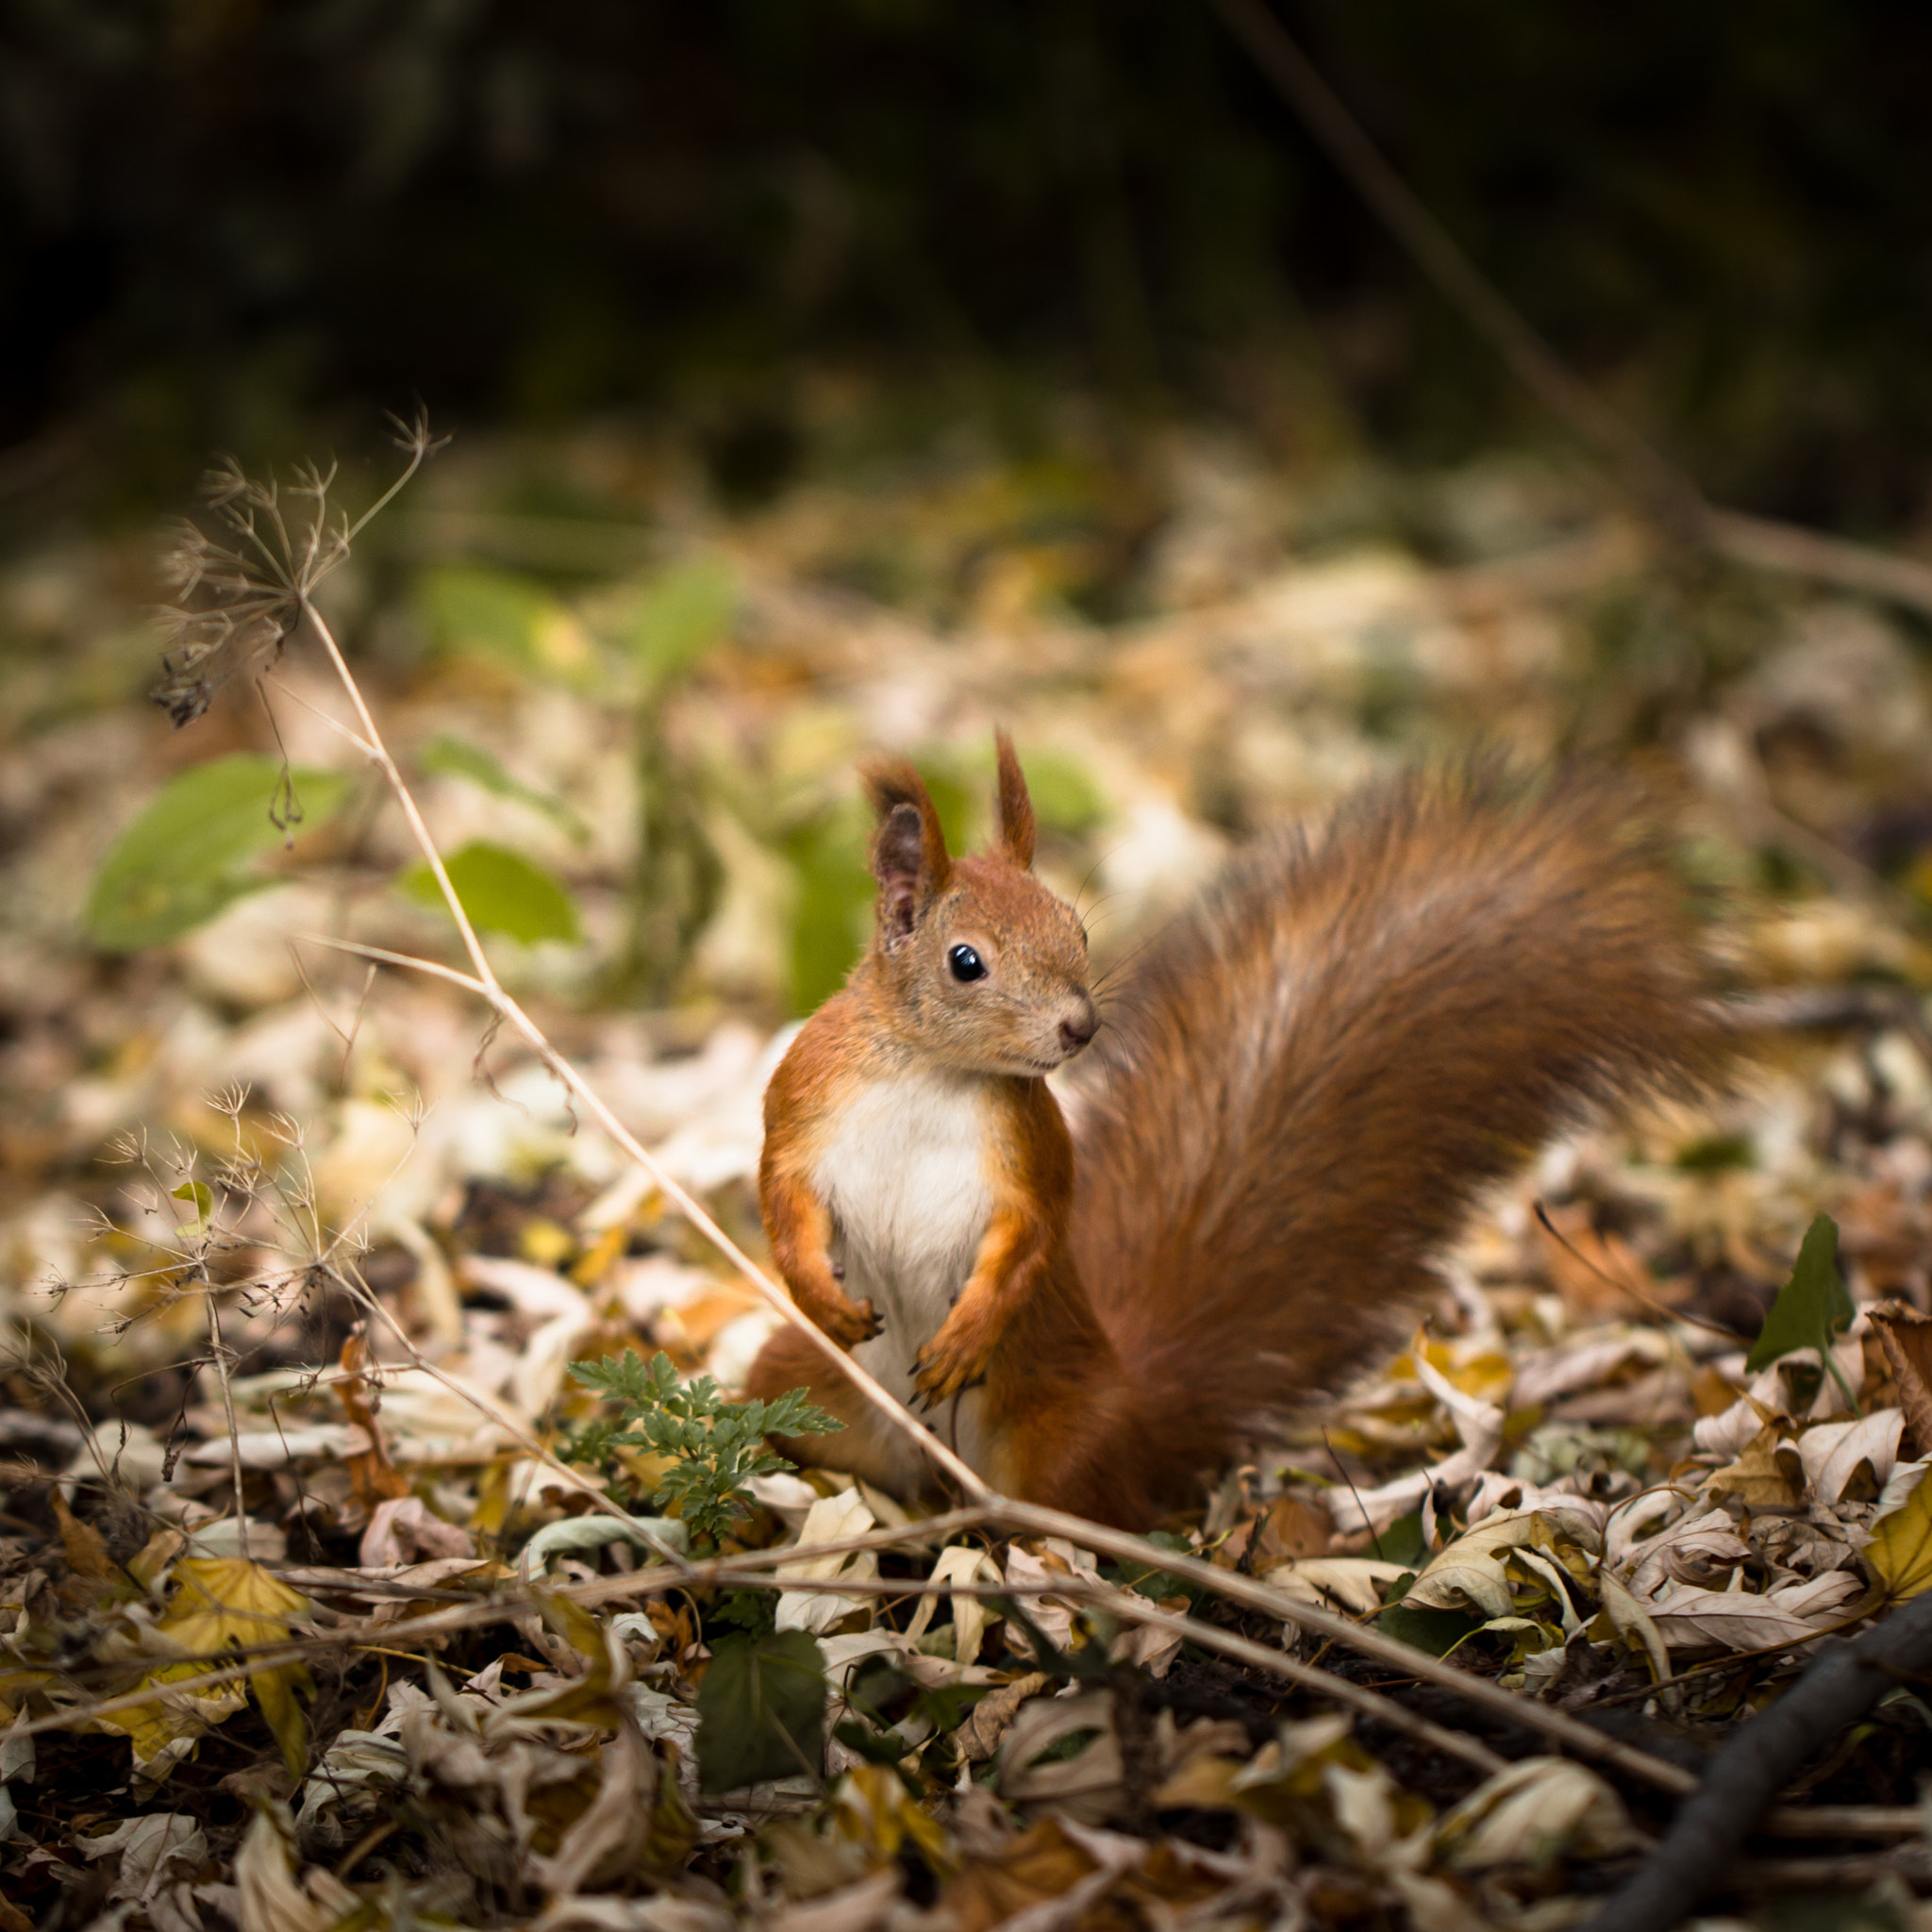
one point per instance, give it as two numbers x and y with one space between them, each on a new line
947 1364
849 1323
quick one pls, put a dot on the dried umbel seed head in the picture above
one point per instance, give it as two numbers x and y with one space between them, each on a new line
241 589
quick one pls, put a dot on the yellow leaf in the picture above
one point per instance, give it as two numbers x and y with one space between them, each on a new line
1900 1553
225 1602
164 1731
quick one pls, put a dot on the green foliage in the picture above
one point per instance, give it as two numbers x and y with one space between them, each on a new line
1159 1584
1066 797
193 851
1436 1631
679 616
833 915
457 757
502 892
715 1446
494 613
1812 1307
761 1710
1402 1542
1717 1154
752 1612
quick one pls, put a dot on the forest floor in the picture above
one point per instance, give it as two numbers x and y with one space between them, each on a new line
296 1251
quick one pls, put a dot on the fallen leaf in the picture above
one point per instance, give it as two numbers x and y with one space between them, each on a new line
832 1519
980 1737
1899 1556
1906 1337
1851 1461
219 1602
1689 1619
1342 1583
1538 1810
1759 1476
761 1710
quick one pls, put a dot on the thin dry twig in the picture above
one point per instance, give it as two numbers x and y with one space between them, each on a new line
489 987
1841 1684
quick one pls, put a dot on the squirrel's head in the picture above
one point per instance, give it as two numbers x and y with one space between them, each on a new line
978 962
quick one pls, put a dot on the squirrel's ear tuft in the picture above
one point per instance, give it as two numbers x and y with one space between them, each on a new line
908 855
1016 806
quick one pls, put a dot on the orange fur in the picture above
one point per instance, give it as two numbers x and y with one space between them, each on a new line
1304 1087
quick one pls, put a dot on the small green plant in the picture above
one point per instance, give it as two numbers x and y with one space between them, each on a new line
715 1446
1812 1310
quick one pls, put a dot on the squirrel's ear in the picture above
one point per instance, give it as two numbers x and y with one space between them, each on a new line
1016 807
908 855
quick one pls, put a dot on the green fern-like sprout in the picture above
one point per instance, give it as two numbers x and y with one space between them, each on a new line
715 1445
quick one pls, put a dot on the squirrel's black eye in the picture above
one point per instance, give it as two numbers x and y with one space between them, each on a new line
967 965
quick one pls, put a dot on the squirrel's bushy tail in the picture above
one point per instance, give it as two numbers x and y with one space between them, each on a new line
1306 1083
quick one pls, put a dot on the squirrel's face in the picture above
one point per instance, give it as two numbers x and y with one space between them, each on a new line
981 964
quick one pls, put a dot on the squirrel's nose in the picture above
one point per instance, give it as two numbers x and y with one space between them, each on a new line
1079 1026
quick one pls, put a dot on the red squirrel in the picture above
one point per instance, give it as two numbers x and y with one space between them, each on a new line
1302 1088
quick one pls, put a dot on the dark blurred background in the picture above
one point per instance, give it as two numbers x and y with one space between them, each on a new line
234 223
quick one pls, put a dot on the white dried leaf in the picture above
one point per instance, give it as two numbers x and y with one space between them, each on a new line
405 1529
1055 1619
267 1896
571 1535
1339 1583
1832 1453
1553 1372
831 1520
1692 1618
1539 1809
1376 1508
1693 1550
959 1563
1364 1805
1728 1433
149 1847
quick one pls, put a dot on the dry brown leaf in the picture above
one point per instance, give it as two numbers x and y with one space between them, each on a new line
1851 1461
1906 1337
980 1737
1600 1274
1759 1476
1040 1865
1087 1786
373 1477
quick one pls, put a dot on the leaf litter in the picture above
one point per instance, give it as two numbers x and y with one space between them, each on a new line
339 1342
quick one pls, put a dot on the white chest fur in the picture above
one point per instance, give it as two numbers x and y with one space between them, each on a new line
905 1177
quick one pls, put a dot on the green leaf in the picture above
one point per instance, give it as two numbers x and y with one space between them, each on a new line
1811 1308
1066 797
493 613
502 892
833 914
457 757
1157 1584
193 851
202 1195
1436 1631
680 615
761 1710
